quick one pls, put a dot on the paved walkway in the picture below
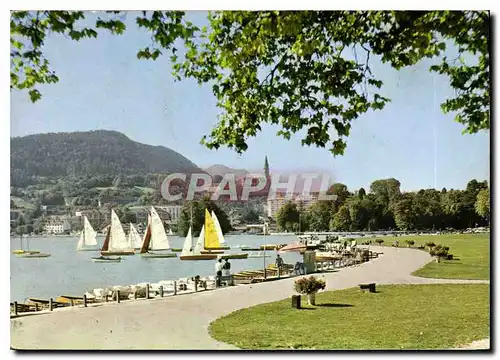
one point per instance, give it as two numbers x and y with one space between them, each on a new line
181 322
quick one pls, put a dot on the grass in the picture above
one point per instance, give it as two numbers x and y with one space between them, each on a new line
436 316
471 253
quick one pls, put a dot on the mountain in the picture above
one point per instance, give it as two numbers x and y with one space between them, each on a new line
221 170
92 152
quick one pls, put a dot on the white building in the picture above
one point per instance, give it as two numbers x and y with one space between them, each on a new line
57 227
173 210
273 205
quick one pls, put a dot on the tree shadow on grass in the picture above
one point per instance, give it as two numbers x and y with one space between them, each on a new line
334 305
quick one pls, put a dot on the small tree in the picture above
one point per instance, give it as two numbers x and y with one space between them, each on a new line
439 251
430 245
379 241
410 243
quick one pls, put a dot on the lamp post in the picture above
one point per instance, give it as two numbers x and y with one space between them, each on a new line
265 248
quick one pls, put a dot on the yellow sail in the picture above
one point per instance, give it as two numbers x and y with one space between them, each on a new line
211 238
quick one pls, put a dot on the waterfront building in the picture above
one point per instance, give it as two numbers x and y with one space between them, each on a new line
304 201
57 227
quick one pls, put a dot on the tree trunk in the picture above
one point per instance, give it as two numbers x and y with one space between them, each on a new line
311 299
438 259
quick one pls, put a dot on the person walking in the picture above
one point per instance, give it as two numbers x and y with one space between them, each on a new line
279 262
226 268
218 272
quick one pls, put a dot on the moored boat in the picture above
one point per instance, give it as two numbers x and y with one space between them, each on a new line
33 255
268 247
234 256
249 248
257 254
107 259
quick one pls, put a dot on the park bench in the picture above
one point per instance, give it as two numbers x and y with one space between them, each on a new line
370 287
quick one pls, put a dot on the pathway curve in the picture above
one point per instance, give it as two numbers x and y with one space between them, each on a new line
181 322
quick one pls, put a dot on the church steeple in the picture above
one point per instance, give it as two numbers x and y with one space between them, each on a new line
266 167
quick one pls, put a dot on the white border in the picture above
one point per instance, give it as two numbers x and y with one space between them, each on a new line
186 5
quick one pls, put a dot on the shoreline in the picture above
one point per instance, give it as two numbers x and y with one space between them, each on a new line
139 325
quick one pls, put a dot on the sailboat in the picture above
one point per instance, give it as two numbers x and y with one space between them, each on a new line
188 253
155 238
220 235
134 239
211 244
31 253
88 240
213 238
116 242
21 250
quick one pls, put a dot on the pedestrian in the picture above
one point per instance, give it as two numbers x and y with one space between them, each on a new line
279 262
218 272
226 268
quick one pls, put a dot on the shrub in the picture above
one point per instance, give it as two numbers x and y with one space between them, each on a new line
439 251
430 245
410 242
309 285
379 241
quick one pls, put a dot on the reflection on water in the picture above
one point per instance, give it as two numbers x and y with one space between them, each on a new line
71 272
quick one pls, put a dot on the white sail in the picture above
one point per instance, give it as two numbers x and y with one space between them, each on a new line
81 242
201 240
159 239
220 235
117 239
88 236
134 239
187 249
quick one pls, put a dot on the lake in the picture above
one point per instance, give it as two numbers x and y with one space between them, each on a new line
71 272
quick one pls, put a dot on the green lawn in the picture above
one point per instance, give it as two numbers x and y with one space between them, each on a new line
472 253
433 316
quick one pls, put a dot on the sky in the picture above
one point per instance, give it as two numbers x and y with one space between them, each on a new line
104 86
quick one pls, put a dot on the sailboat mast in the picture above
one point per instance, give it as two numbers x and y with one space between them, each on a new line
191 222
83 231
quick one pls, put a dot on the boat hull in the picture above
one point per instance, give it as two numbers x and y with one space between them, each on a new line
268 247
199 257
234 256
31 255
217 252
218 248
244 248
259 255
117 252
20 251
158 256
107 259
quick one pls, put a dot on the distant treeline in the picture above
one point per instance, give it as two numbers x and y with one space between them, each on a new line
386 207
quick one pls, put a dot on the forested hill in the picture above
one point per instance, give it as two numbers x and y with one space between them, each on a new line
92 152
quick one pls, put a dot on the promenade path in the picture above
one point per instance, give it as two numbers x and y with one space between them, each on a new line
181 322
